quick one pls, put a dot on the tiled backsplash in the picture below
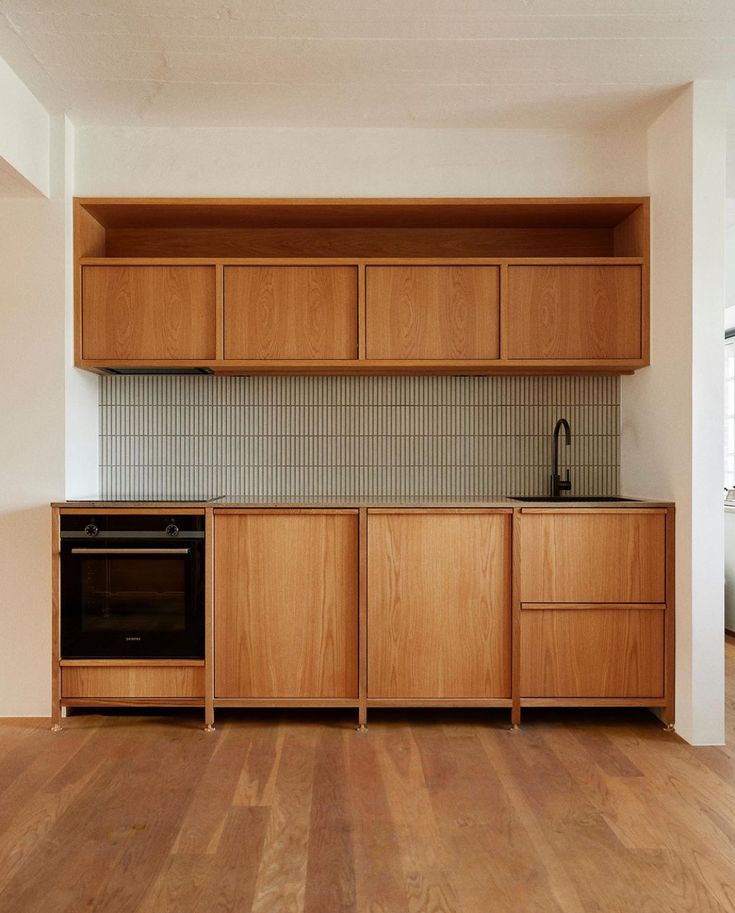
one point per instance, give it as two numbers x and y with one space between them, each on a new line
353 437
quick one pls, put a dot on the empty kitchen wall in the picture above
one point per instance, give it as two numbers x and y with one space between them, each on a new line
161 161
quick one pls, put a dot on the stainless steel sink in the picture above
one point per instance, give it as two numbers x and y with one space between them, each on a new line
570 498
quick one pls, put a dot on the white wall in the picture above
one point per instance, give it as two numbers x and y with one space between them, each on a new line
730 264
24 133
81 387
397 162
32 315
672 412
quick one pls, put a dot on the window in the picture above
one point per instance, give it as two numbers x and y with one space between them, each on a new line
730 412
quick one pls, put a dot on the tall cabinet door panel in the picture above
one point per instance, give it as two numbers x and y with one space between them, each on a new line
286 604
290 312
432 312
160 313
438 605
574 312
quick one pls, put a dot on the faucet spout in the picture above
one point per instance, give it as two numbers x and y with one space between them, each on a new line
557 483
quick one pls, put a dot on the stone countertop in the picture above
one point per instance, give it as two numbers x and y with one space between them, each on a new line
301 503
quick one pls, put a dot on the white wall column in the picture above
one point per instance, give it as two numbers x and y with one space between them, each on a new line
24 136
81 387
32 439
673 411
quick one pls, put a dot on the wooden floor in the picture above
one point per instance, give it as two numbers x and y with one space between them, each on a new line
428 812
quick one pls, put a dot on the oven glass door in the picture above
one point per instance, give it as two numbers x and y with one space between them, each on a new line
121 601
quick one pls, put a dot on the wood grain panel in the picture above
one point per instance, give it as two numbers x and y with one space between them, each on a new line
359 242
286 604
361 212
89 235
444 312
606 651
132 681
148 312
290 312
572 312
631 235
438 605
593 556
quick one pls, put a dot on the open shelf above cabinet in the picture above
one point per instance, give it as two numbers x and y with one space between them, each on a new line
362 286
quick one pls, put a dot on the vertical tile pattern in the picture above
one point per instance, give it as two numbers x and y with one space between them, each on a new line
337 438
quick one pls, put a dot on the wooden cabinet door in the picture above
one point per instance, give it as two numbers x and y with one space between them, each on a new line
574 312
593 556
291 312
286 604
438 605
156 313
603 651
432 312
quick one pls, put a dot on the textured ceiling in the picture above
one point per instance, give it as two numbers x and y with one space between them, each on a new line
445 63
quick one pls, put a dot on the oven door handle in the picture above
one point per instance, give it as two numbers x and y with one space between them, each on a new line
130 551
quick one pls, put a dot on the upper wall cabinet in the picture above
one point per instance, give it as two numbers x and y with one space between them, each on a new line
285 312
574 312
362 286
432 312
157 313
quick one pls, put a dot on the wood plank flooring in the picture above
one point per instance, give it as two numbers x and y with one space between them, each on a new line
429 812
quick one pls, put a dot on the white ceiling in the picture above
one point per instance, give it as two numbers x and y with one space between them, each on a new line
446 63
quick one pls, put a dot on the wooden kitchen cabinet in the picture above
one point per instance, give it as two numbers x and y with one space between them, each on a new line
152 313
285 604
438 605
362 286
432 312
592 651
594 612
574 312
290 312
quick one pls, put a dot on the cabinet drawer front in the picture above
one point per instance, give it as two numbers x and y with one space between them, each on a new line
438 605
296 312
286 605
573 312
160 313
432 312
595 557
605 651
132 682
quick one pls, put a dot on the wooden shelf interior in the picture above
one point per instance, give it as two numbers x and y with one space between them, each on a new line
137 228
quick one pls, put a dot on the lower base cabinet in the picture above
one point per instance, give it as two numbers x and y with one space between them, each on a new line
594 651
595 606
438 604
361 608
285 604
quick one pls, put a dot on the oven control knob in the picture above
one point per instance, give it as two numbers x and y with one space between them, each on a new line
172 530
91 530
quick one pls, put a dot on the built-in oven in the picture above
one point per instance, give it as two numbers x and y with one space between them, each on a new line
132 586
